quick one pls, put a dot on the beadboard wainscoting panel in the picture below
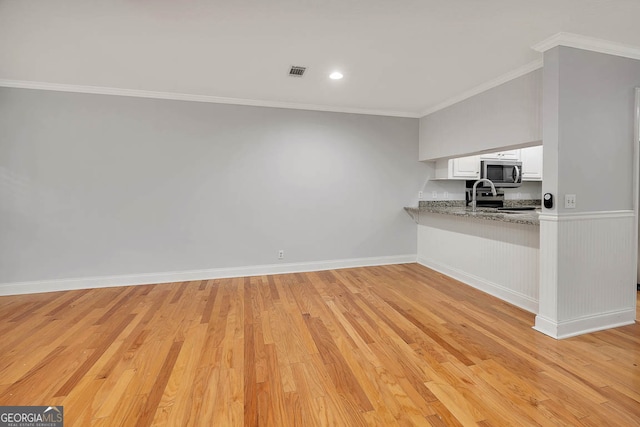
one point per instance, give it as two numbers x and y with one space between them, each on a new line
548 307
499 258
588 272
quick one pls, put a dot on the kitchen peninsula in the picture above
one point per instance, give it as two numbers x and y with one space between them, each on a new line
577 270
494 251
457 208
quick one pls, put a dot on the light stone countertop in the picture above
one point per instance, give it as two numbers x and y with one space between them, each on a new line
491 214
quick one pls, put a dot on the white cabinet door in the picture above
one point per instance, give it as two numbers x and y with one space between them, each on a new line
460 168
531 163
465 167
502 155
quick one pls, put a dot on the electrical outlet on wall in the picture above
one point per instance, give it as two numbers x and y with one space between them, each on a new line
446 195
281 254
569 201
420 195
434 195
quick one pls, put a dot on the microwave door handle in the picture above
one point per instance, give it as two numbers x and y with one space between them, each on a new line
516 171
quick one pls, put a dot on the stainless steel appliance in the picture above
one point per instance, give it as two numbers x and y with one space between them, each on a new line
484 197
503 173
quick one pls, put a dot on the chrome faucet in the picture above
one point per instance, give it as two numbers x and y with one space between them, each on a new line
475 185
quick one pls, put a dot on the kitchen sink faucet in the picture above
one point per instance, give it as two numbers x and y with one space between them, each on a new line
473 196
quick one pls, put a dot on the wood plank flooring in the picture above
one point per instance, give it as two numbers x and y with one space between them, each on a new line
395 345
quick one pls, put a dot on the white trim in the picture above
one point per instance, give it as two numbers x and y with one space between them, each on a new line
523 301
636 175
518 72
578 216
101 90
20 288
585 325
588 43
546 326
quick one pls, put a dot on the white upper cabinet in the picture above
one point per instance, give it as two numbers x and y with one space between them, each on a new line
531 163
465 167
460 168
502 155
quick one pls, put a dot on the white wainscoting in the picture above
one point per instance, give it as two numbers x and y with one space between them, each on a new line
588 272
499 258
183 276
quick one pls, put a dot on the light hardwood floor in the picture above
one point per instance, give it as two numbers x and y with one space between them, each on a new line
389 346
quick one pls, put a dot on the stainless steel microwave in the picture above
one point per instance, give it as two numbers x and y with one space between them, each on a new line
503 173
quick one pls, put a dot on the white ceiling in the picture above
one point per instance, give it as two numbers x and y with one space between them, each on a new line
399 57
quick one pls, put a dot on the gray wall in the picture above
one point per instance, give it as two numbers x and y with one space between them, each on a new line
588 131
94 185
508 115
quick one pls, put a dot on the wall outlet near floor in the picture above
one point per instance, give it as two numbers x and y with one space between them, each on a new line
569 201
446 195
434 195
518 196
420 195
281 254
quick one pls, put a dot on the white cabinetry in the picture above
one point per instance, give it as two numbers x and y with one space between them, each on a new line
502 155
469 167
460 168
465 167
531 163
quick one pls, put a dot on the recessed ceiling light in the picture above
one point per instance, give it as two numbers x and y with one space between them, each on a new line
336 75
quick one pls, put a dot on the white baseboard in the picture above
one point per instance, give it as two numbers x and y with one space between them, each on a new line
523 301
584 325
19 288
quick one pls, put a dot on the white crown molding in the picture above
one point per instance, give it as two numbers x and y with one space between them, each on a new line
19 288
588 43
101 90
518 72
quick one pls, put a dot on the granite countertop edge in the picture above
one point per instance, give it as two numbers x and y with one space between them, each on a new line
457 208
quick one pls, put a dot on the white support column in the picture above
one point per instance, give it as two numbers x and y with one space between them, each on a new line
588 253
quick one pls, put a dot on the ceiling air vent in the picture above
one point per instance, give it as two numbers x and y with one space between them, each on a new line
297 71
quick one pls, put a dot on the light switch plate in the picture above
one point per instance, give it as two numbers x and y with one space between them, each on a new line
569 201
